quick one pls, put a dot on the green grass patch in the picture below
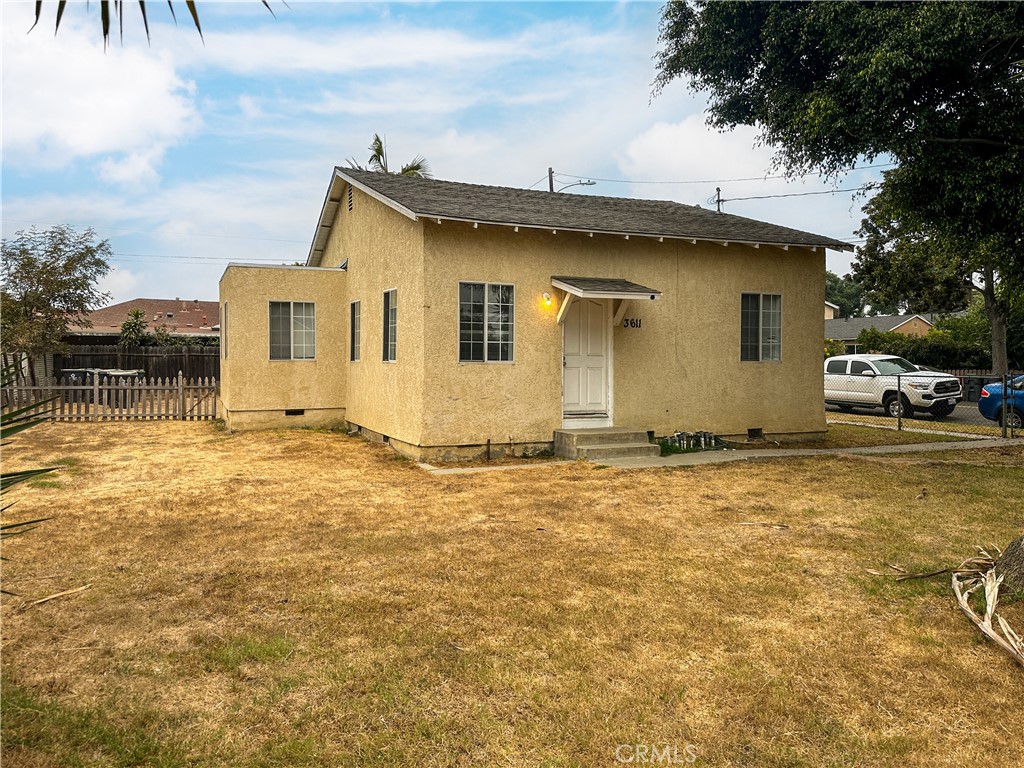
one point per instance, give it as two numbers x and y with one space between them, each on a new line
75 736
232 654
850 436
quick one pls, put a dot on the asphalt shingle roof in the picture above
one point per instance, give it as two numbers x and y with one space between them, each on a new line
606 285
510 206
850 327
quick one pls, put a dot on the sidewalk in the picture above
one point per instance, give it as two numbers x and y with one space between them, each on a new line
719 457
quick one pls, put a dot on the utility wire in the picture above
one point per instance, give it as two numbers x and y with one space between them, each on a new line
183 234
538 181
709 181
795 194
196 257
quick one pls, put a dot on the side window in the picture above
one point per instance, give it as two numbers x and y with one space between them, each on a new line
354 331
292 330
486 322
390 335
836 366
857 367
761 326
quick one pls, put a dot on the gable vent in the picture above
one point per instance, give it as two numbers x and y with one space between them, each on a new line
350 197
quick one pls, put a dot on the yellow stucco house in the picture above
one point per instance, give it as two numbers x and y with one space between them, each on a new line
448 319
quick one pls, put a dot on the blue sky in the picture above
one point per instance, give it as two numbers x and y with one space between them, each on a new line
187 154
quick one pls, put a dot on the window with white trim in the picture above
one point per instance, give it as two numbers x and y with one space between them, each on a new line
761 326
390 334
292 330
354 331
486 322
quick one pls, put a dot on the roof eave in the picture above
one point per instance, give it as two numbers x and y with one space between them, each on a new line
834 244
329 210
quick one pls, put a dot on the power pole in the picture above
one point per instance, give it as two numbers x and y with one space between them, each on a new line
551 179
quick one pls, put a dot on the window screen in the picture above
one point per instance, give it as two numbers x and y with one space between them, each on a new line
354 331
292 330
486 322
760 326
390 325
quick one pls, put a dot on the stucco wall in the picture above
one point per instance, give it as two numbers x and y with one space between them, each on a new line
915 326
256 390
384 250
679 370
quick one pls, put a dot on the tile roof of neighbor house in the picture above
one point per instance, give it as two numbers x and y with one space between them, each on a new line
849 328
191 317
433 198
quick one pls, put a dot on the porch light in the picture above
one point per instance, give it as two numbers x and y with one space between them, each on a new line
547 298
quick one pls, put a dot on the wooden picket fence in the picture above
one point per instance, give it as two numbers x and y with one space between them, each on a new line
108 399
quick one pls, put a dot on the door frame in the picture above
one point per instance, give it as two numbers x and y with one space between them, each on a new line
607 419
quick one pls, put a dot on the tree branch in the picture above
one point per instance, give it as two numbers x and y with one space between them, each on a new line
984 142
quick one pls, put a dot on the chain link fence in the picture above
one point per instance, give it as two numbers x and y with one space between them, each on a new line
976 405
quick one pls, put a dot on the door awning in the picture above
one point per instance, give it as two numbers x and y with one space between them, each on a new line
603 288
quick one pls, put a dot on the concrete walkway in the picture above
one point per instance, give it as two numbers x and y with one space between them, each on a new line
718 457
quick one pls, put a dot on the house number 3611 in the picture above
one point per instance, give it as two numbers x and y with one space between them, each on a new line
631 322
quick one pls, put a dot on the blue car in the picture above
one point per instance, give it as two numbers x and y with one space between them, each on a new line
990 404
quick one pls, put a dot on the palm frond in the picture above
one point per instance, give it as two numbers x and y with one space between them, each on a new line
378 155
418 168
110 9
10 479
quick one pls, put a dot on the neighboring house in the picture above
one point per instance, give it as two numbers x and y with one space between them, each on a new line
830 310
848 329
180 318
444 317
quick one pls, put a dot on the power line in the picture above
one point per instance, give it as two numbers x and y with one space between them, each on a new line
538 181
194 257
709 181
796 194
182 234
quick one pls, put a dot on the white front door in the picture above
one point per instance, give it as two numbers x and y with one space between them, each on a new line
585 358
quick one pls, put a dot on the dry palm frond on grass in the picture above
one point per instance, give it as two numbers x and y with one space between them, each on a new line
979 573
971 575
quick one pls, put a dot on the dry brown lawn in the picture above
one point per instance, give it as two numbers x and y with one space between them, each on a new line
305 598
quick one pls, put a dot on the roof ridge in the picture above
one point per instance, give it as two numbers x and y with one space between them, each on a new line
503 188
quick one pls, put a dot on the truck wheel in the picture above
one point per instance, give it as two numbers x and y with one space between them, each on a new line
941 411
894 405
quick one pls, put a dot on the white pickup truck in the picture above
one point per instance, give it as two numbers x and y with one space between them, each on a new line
890 383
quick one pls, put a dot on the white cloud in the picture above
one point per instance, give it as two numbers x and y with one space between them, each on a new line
122 284
66 98
691 150
282 50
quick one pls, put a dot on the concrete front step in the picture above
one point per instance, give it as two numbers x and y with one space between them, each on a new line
617 451
603 443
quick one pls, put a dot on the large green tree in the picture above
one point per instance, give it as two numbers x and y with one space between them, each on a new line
932 268
846 293
49 281
937 87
